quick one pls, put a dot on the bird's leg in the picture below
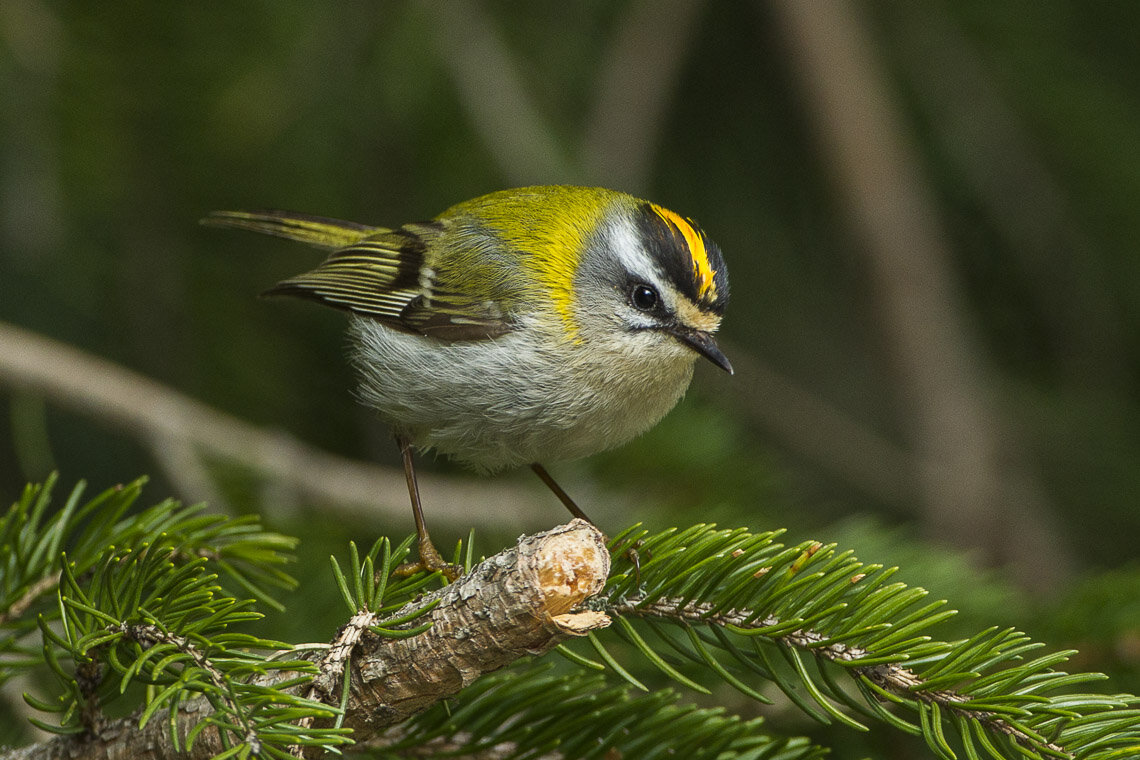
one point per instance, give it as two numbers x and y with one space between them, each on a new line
563 497
544 476
430 558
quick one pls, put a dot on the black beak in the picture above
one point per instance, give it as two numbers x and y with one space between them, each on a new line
703 343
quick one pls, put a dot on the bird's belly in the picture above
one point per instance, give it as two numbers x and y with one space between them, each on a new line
510 401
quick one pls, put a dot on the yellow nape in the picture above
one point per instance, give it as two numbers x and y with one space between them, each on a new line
549 226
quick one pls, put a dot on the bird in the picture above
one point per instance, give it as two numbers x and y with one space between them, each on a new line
524 326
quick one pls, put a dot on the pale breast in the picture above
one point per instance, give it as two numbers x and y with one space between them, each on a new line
512 401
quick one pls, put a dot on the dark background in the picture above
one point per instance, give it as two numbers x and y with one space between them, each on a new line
930 214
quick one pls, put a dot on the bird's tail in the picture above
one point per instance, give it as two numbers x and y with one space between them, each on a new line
314 230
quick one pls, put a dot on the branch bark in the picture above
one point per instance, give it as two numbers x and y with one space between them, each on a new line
518 602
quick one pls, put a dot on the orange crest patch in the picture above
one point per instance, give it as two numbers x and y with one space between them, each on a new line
697 252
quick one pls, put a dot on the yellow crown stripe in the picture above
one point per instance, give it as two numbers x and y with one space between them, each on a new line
697 250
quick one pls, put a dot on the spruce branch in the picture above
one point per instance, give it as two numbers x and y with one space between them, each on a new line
888 677
521 601
31 542
532 711
750 607
140 599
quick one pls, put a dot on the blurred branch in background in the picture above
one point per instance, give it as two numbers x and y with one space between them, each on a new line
966 473
819 431
994 153
973 487
181 432
491 86
634 87
981 156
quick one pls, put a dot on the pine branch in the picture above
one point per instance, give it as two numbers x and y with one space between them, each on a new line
516 603
137 599
530 711
752 607
889 677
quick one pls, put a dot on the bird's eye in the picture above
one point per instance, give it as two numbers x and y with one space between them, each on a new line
643 297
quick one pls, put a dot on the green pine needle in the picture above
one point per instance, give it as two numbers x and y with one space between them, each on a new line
811 603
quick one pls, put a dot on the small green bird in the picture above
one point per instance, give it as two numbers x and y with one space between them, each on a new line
528 325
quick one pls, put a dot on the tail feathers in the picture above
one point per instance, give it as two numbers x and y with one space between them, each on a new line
314 230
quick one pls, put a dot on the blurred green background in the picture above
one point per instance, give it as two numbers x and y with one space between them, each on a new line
930 213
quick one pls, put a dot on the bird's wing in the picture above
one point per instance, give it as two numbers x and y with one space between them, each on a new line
377 273
314 230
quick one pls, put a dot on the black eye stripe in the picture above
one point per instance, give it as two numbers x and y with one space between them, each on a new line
667 248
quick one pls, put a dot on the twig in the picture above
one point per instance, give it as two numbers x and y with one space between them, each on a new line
34 592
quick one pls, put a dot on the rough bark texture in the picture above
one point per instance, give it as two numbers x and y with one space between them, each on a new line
515 603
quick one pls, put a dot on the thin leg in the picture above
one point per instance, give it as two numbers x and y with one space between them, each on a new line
563 497
430 558
630 551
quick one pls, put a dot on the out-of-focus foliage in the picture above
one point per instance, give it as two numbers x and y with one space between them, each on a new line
123 123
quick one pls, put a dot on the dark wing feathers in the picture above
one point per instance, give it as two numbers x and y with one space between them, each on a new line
451 318
375 272
376 277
